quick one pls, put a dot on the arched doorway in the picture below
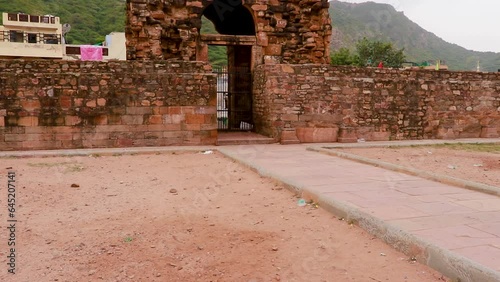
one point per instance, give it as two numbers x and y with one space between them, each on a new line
236 30
229 19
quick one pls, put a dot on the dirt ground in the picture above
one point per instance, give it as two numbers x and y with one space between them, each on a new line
483 167
180 217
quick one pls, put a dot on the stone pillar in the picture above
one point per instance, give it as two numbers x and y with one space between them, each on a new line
257 57
202 52
289 136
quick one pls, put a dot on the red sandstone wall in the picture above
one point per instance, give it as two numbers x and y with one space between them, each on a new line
321 103
62 104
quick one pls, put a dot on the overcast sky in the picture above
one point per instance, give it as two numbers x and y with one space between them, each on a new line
473 25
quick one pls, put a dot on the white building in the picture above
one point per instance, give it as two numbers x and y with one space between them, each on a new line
115 42
41 37
112 49
29 36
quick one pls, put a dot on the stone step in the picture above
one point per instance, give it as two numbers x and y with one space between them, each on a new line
242 138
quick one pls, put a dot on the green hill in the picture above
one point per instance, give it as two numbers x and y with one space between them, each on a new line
216 54
352 22
91 20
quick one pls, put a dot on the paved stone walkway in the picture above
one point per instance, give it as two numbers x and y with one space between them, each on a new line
454 230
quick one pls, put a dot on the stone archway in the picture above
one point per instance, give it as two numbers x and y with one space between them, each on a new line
255 31
286 31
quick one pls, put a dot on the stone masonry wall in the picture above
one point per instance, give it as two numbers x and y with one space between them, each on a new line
325 103
64 104
294 31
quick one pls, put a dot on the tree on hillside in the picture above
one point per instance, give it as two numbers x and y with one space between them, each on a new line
371 53
343 57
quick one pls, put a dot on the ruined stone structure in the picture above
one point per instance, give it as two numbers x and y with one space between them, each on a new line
255 32
72 104
166 93
322 103
52 105
294 31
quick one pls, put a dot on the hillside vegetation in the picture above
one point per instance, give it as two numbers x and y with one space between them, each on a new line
216 54
91 20
382 22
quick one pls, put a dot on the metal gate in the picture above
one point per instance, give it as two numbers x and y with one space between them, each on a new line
234 98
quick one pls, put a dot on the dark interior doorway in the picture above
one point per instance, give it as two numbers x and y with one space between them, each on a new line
234 93
234 81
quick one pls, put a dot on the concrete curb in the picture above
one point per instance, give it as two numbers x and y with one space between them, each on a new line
470 185
440 259
405 143
446 262
290 185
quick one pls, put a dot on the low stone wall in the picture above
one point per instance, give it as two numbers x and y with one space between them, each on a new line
72 104
319 103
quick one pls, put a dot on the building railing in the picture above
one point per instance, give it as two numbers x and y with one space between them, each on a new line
31 18
18 36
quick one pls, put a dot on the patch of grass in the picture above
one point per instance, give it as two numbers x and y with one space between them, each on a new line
75 168
48 165
474 147
67 166
352 222
128 239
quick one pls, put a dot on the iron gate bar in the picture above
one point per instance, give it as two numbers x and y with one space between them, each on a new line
234 98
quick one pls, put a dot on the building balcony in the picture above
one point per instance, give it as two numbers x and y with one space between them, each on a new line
19 44
13 21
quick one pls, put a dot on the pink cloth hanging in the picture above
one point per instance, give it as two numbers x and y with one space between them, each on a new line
91 53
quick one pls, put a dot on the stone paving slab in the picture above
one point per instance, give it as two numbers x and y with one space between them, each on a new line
452 229
475 186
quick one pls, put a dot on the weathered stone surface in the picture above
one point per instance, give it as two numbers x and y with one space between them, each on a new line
98 104
347 135
166 29
386 104
289 136
317 135
489 132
